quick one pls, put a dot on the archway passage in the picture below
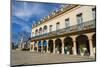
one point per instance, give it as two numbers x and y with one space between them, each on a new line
50 46
82 45
39 46
44 46
68 44
58 46
35 48
94 43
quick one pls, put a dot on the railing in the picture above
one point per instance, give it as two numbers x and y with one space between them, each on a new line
74 28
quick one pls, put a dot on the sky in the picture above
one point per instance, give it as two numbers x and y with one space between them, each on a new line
24 14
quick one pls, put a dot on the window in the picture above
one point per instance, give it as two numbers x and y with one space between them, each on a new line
50 28
79 18
67 25
45 29
40 31
36 32
79 21
57 25
67 22
94 13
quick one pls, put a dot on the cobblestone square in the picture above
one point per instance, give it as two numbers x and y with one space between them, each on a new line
28 58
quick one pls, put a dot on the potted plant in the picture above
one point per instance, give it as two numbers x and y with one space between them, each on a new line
68 49
82 50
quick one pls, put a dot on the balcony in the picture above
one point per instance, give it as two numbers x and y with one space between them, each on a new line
75 28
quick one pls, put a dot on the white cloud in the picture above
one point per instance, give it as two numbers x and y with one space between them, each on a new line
27 10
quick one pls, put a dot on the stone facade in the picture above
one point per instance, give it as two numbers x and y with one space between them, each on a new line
71 30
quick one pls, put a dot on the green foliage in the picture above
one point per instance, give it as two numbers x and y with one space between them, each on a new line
81 48
25 49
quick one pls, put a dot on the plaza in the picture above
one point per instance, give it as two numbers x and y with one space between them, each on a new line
19 58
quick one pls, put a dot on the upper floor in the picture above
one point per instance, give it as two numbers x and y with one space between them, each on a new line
75 16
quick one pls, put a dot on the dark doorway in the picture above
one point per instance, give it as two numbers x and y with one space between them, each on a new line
44 46
68 44
50 46
82 45
94 43
58 45
39 46
35 48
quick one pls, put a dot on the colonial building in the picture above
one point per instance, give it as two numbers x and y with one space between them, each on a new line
69 30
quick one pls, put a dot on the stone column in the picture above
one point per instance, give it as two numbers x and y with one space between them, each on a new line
90 43
33 47
53 45
42 46
62 44
91 47
37 45
74 45
47 46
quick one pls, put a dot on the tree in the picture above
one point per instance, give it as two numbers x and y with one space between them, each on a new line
12 45
24 39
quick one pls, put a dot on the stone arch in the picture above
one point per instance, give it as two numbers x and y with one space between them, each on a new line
50 46
40 31
45 29
82 44
39 46
58 45
44 46
36 32
35 48
68 44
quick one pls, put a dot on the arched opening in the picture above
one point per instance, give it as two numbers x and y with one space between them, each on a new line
68 44
39 46
94 43
35 48
44 46
45 30
40 31
36 32
82 45
50 46
58 46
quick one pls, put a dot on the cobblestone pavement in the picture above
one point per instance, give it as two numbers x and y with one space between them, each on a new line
27 58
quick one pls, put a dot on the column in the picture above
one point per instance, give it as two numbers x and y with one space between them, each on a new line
33 46
42 46
91 47
37 45
74 45
62 44
47 46
53 45
90 44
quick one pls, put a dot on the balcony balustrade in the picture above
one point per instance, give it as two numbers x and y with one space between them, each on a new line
75 28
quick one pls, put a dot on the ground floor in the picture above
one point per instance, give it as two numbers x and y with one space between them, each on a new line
80 44
28 58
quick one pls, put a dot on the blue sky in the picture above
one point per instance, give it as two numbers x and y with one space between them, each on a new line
24 14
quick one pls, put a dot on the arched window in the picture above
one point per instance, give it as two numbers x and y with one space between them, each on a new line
40 31
45 29
36 32
32 34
